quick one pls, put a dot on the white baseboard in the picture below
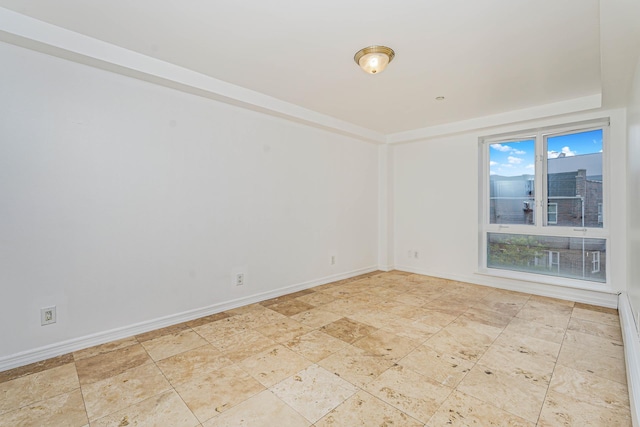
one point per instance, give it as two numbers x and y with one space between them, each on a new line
631 341
603 299
75 344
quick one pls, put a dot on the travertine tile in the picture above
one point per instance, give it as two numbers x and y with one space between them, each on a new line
597 308
521 361
273 365
414 330
118 392
439 318
362 409
551 314
286 297
220 329
356 365
258 318
263 409
386 344
161 332
452 302
284 330
373 318
461 410
192 364
599 315
416 299
315 345
340 292
347 306
551 302
405 338
34 368
505 304
465 339
445 368
39 386
291 307
106 365
104 348
240 346
563 410
525 344
407 390
589 388
512 393
172 344
316 317
166 409
487 317
317 299
583 358
605 346
348 330
536 330
406 311
216 392
313 392
62 410
602 330
206 319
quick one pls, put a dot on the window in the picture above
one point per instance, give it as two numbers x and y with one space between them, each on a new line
599 213
542 202
552 213
595 262
554 260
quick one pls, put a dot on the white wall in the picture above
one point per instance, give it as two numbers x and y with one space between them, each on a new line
633 165
122 201
436 207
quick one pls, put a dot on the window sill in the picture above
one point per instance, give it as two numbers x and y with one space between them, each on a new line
548 280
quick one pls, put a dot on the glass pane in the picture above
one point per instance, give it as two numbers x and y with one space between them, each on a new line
574 178
511 181
571 257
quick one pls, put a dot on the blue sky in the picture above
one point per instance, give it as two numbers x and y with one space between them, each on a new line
517 157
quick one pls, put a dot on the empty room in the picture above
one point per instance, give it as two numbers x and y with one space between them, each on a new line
315 214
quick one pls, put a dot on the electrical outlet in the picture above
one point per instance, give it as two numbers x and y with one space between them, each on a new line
239 279
332 260
416 255
48 315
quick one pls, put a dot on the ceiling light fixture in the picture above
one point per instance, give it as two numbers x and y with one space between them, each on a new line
374 59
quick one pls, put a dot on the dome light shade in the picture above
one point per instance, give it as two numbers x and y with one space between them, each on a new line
374 59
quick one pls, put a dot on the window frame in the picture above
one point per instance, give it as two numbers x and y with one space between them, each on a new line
555 221
541 227
595 262
600 214
551 260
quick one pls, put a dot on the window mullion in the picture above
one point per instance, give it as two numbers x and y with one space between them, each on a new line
540 182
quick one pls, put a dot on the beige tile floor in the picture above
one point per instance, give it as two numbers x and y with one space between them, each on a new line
383 349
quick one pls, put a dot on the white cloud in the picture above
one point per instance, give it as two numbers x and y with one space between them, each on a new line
566 152
531 166
492 163
518 152
514 160
500 147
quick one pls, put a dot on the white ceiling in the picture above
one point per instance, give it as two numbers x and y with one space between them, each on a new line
486 57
